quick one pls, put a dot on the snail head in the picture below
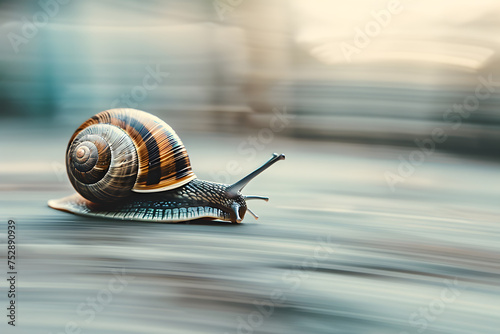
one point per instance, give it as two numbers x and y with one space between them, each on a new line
233 191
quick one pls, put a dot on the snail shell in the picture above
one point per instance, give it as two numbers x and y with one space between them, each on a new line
104 164
128 164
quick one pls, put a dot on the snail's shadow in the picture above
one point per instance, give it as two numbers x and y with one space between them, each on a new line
206 222
196 222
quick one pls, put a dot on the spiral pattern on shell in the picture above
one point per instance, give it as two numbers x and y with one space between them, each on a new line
122 150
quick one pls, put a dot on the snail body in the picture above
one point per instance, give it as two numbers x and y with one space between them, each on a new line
128 164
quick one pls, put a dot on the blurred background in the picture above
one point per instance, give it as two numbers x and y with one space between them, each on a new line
388 112
363 71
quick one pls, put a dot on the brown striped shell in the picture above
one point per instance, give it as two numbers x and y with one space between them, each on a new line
122 150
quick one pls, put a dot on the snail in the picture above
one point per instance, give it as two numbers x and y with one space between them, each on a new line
128 164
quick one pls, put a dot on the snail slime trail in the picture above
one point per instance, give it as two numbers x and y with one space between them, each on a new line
130 165
11 272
